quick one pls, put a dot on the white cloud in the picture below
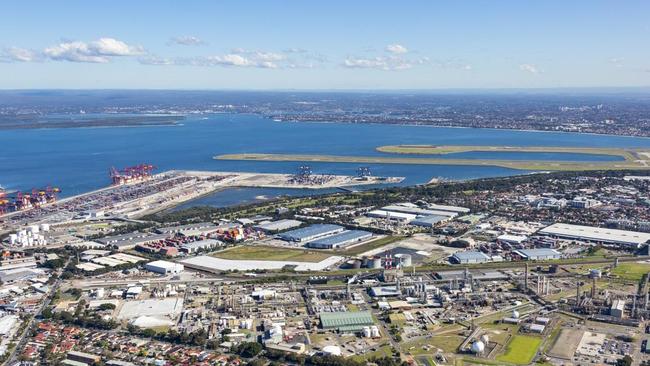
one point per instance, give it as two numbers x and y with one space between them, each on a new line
99 51
396 49
238 57
186 41
16 54
530 68
156 60
391 63
617 61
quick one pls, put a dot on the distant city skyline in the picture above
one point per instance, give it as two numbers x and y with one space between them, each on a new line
324 45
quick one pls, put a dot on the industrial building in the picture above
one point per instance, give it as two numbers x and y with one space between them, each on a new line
311 232
538 254
512 239
164 267
131 240
277 226
206 244
349 321
469 257
392 215
83 357
617 309
429 221
454 209
596 235
414 210
340 240
201 228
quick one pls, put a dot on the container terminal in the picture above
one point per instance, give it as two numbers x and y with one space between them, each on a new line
136 191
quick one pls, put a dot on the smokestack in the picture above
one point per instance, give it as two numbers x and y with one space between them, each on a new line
593 287
526 278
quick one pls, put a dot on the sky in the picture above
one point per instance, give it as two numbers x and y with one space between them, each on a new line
323 44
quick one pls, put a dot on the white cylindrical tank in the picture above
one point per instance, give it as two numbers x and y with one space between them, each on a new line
515 314
485 339
406 260
374 331
366 332
33 229
13 239
376 262
45 227
478 347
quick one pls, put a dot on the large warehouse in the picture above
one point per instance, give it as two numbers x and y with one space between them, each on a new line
277 226
429 221
348 321
596 235
469 257
538 254
164 267
340 240
311 232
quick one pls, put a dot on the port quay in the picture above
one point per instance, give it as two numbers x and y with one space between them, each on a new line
134 197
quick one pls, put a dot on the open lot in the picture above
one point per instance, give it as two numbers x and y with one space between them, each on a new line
271 254
521 350
565 345
631 271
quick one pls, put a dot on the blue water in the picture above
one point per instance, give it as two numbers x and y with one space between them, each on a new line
78 160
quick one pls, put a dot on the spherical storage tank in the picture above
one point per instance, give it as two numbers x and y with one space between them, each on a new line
478 347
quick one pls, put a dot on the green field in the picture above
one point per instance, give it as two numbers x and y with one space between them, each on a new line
521 350
631 158
271 254
374 244
631 271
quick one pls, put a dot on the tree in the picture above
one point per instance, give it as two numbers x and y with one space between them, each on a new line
107 306
625 361
248 349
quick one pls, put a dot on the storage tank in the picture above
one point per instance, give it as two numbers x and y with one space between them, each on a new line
478 347
515 314
376 262
366 332
595 273
33 229
356 264
485 339
374 331
405 260
45 227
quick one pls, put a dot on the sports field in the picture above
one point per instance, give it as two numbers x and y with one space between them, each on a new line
271 254
521 350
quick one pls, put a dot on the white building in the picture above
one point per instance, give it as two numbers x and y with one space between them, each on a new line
164 267
596 235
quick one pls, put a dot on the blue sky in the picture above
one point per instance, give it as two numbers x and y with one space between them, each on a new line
324 44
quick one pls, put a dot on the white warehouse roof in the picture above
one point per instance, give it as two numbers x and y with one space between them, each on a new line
597 234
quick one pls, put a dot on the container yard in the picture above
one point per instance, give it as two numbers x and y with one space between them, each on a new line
135 192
